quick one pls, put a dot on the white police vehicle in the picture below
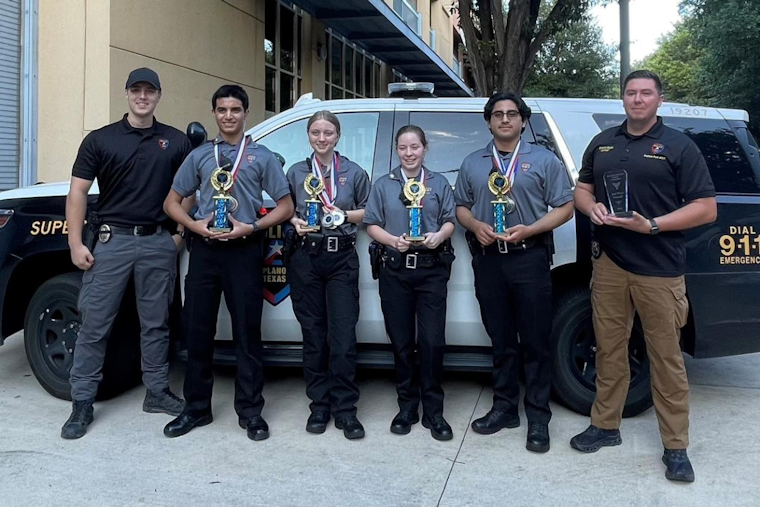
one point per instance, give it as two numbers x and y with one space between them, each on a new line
39 285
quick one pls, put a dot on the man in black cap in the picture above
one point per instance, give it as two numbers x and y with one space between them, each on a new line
134 161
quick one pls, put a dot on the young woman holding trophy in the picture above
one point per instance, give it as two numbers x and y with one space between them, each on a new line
330 193
410 214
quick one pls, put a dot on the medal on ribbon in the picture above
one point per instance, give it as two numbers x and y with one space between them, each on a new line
500 184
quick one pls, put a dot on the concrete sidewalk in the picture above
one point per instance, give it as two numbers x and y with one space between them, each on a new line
125 460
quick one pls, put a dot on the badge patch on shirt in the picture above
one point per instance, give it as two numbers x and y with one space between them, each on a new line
525 166
251 158
657 148
163 143
342 180
605 149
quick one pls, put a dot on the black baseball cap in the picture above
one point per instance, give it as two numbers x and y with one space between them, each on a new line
143 75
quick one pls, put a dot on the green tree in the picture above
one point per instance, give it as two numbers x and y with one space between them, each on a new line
503 37
575 62
728 31
677 62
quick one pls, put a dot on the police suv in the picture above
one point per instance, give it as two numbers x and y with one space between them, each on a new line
39 285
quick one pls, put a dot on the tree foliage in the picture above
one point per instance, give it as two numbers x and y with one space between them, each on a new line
677 61
503 37
729 70
713 57
575 62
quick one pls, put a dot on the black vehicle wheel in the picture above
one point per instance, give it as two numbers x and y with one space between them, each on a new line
574 382
50 333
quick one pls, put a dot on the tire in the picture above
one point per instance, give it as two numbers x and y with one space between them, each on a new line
574 383
51 327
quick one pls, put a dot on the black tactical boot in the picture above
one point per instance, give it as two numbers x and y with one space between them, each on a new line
163 402
80 418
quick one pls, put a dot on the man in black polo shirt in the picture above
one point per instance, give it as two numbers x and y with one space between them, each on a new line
134 161
639 264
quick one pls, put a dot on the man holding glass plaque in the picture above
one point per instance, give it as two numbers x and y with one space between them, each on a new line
231 172
503 194
642 184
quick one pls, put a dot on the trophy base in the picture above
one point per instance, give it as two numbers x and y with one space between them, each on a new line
220 229
415 239
622 214
313 228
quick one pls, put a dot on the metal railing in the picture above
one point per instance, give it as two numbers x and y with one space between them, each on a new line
409 15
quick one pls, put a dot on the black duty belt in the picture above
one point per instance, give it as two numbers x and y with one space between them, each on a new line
413 259
320 242
137 230
502 247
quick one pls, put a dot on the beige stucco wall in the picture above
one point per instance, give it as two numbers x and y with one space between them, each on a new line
88 47
73 80
195 46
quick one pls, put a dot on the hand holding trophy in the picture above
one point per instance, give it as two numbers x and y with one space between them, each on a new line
503 205
224 203
414 191
313 186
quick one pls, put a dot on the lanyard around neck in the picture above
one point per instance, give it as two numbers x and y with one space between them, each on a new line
507 172
241 149
327 196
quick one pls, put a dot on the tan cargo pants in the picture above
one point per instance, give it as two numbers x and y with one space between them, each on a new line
616 295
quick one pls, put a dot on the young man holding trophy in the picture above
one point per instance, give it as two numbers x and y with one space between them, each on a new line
503 194
410 214
642 184
225 238
330 193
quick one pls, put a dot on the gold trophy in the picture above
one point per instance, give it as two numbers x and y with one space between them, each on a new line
313 187
414 191
224 203
503 205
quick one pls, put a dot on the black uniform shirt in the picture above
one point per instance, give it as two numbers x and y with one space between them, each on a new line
386 209
352 189
665 171
134 169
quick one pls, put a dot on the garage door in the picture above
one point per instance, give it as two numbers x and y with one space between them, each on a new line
10 81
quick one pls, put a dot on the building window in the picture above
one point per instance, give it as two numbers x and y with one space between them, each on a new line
349 71
282 56
407 11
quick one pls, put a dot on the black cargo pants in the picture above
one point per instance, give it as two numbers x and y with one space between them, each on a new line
325 293
234 269
414 309
515 295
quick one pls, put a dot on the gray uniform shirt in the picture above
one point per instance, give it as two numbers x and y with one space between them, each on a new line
540 181
386 209
352 188
259 170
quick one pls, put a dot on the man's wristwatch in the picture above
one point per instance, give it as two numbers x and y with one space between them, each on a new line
655 228
255 226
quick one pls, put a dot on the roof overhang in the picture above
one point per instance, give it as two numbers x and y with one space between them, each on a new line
374 26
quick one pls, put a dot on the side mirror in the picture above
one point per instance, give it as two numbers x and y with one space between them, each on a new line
280 158
197 134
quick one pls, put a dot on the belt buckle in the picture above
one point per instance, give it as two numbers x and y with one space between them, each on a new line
503 247
332 243
411 261
137 230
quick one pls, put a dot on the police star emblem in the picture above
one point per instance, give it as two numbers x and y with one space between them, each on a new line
163 143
